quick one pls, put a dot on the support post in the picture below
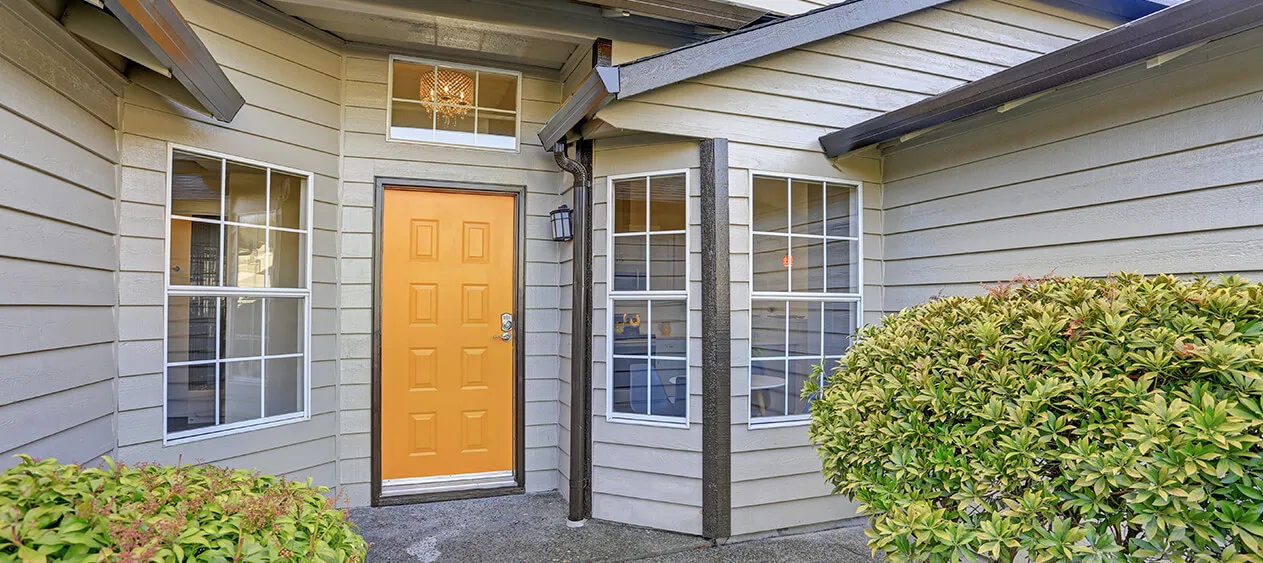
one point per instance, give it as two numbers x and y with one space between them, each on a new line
716 343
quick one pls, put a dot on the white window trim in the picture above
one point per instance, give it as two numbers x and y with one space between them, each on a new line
390 103
611 296
305 292
858 298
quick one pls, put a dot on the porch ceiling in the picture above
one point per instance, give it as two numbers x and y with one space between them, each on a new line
540 34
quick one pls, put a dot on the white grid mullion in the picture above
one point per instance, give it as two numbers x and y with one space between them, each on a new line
235 360
786 373
236 224
649 354
219 304
223 236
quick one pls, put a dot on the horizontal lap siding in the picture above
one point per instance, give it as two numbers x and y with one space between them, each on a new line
291 117
369 155
776 479
58 257
789 99
645 475
1148 170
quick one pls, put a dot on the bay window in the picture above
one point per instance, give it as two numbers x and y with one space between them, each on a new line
238 294
648 298
805 288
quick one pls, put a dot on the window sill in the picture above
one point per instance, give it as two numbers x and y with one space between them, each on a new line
778 422
645 420
197 436
516 150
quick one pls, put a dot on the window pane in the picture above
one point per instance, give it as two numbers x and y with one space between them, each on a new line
668 388
767 388
630 386
244 263
407 81
629 264
191 332
285 321
195 185
807 208
804 329
670 329
454 126
247 194
669 255
843 270
800 372
190 397
631 336
771 254
452 86
629 205
839 326
194 253
808 264
284 386
242 327
767 328
498 91
412 122
770 201
497 130
241 388
287 262
286 200
666 200
841 202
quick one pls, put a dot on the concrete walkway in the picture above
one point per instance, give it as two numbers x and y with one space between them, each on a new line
532 528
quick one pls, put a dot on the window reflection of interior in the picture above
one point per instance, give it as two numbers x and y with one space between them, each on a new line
804 289
648 372
490 121
237 297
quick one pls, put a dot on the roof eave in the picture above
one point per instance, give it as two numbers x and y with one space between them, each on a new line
1175 27
162 30
599 88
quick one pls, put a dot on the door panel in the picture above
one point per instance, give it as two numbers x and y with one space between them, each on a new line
447 375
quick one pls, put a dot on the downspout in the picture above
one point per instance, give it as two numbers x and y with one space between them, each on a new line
580 329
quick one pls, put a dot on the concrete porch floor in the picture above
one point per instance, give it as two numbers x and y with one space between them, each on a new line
532 528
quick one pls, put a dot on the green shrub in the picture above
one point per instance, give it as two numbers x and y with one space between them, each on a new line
1071 419
55 512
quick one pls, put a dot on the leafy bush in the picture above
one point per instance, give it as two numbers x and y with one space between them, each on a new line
1071 419
55 512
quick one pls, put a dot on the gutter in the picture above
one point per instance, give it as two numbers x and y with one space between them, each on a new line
1179 26
598 89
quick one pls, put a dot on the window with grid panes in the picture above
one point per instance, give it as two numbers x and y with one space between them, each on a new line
648 298
448 104
237 294
805 288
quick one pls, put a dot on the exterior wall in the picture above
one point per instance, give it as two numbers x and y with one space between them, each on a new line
641 474
58 256
1146 170
292 89
367 155
776 480
792 98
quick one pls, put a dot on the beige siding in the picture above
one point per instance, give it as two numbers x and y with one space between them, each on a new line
367 156
58 256
1079 14
630 482
790 99
292 91
1148 170
776 480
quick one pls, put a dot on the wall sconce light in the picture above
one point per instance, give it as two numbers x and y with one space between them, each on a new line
563 223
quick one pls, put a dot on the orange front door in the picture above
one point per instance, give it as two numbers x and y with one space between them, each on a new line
447 370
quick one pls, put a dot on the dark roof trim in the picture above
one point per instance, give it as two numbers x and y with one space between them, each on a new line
162 30
1181 25
599 88
689 61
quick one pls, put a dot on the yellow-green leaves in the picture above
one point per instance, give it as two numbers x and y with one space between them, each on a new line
1068 419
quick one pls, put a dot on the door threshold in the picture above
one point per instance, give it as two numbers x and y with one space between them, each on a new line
448 487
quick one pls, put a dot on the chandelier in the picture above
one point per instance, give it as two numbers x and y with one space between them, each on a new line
453 91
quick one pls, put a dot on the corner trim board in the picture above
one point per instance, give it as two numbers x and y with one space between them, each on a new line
716 342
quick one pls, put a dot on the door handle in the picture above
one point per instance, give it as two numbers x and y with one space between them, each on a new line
506 336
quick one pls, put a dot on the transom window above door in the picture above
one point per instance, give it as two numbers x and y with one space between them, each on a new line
435 102
648 307
805 289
